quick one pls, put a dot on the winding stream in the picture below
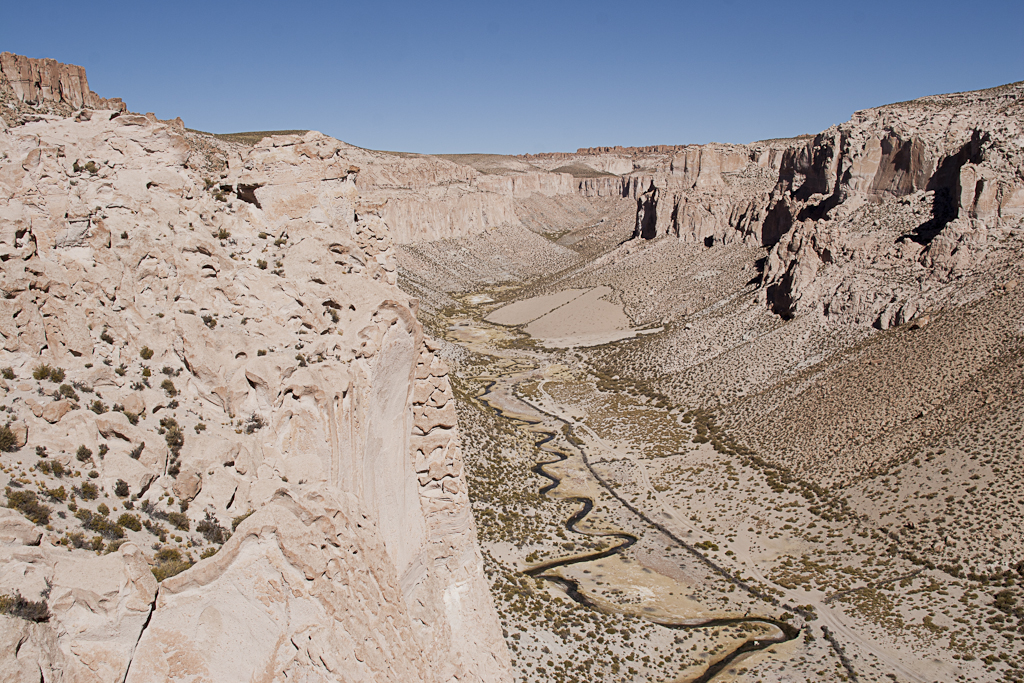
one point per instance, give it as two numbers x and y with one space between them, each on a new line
784 631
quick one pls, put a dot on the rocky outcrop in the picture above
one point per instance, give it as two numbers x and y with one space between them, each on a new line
912 195
38 81
227 339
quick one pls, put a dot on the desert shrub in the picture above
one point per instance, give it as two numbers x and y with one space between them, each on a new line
209 552
179 520
169 563
112 546
28 504
88 491
57 375
57 468
210 321
57 494
121 489
8 442
105 336
239 519
199 427
99 524
83 454
223 234
211 530
17 606
129 521
103 509
254 423
137 451
146 353
168 386
7 373
261 264
67 391
41 372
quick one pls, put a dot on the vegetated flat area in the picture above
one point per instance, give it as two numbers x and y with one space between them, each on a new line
250 138
869 478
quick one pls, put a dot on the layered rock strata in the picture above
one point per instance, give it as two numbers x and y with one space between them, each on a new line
217 379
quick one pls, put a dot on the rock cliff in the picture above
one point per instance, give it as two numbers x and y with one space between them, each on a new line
48 85
866 221
233 451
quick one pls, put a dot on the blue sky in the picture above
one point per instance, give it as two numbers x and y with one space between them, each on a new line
524 76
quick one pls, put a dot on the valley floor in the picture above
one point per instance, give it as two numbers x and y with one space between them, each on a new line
730 553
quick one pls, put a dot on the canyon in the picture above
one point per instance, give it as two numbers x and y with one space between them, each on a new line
279 406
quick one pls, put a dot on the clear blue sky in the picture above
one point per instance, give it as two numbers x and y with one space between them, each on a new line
524 76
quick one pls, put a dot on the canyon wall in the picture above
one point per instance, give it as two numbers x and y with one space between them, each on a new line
866 221
242 406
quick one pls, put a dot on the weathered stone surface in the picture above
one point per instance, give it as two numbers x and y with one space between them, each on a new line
280 379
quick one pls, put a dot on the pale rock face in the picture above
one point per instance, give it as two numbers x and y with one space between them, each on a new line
301 383
98 605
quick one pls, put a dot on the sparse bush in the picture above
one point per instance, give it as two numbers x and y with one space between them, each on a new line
129 521
209 552
28 504
57 494
239 519
97 407
209 321
7 373
179 520
17 606
137 451
223 234
254 423
211 530
99 524
168 386
261 264
146 353
8 441
89 491
121 489
105 336
200 427
83 454
67 391
169 563
41 372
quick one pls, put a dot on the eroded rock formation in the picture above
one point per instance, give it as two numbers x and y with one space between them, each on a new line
240 399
